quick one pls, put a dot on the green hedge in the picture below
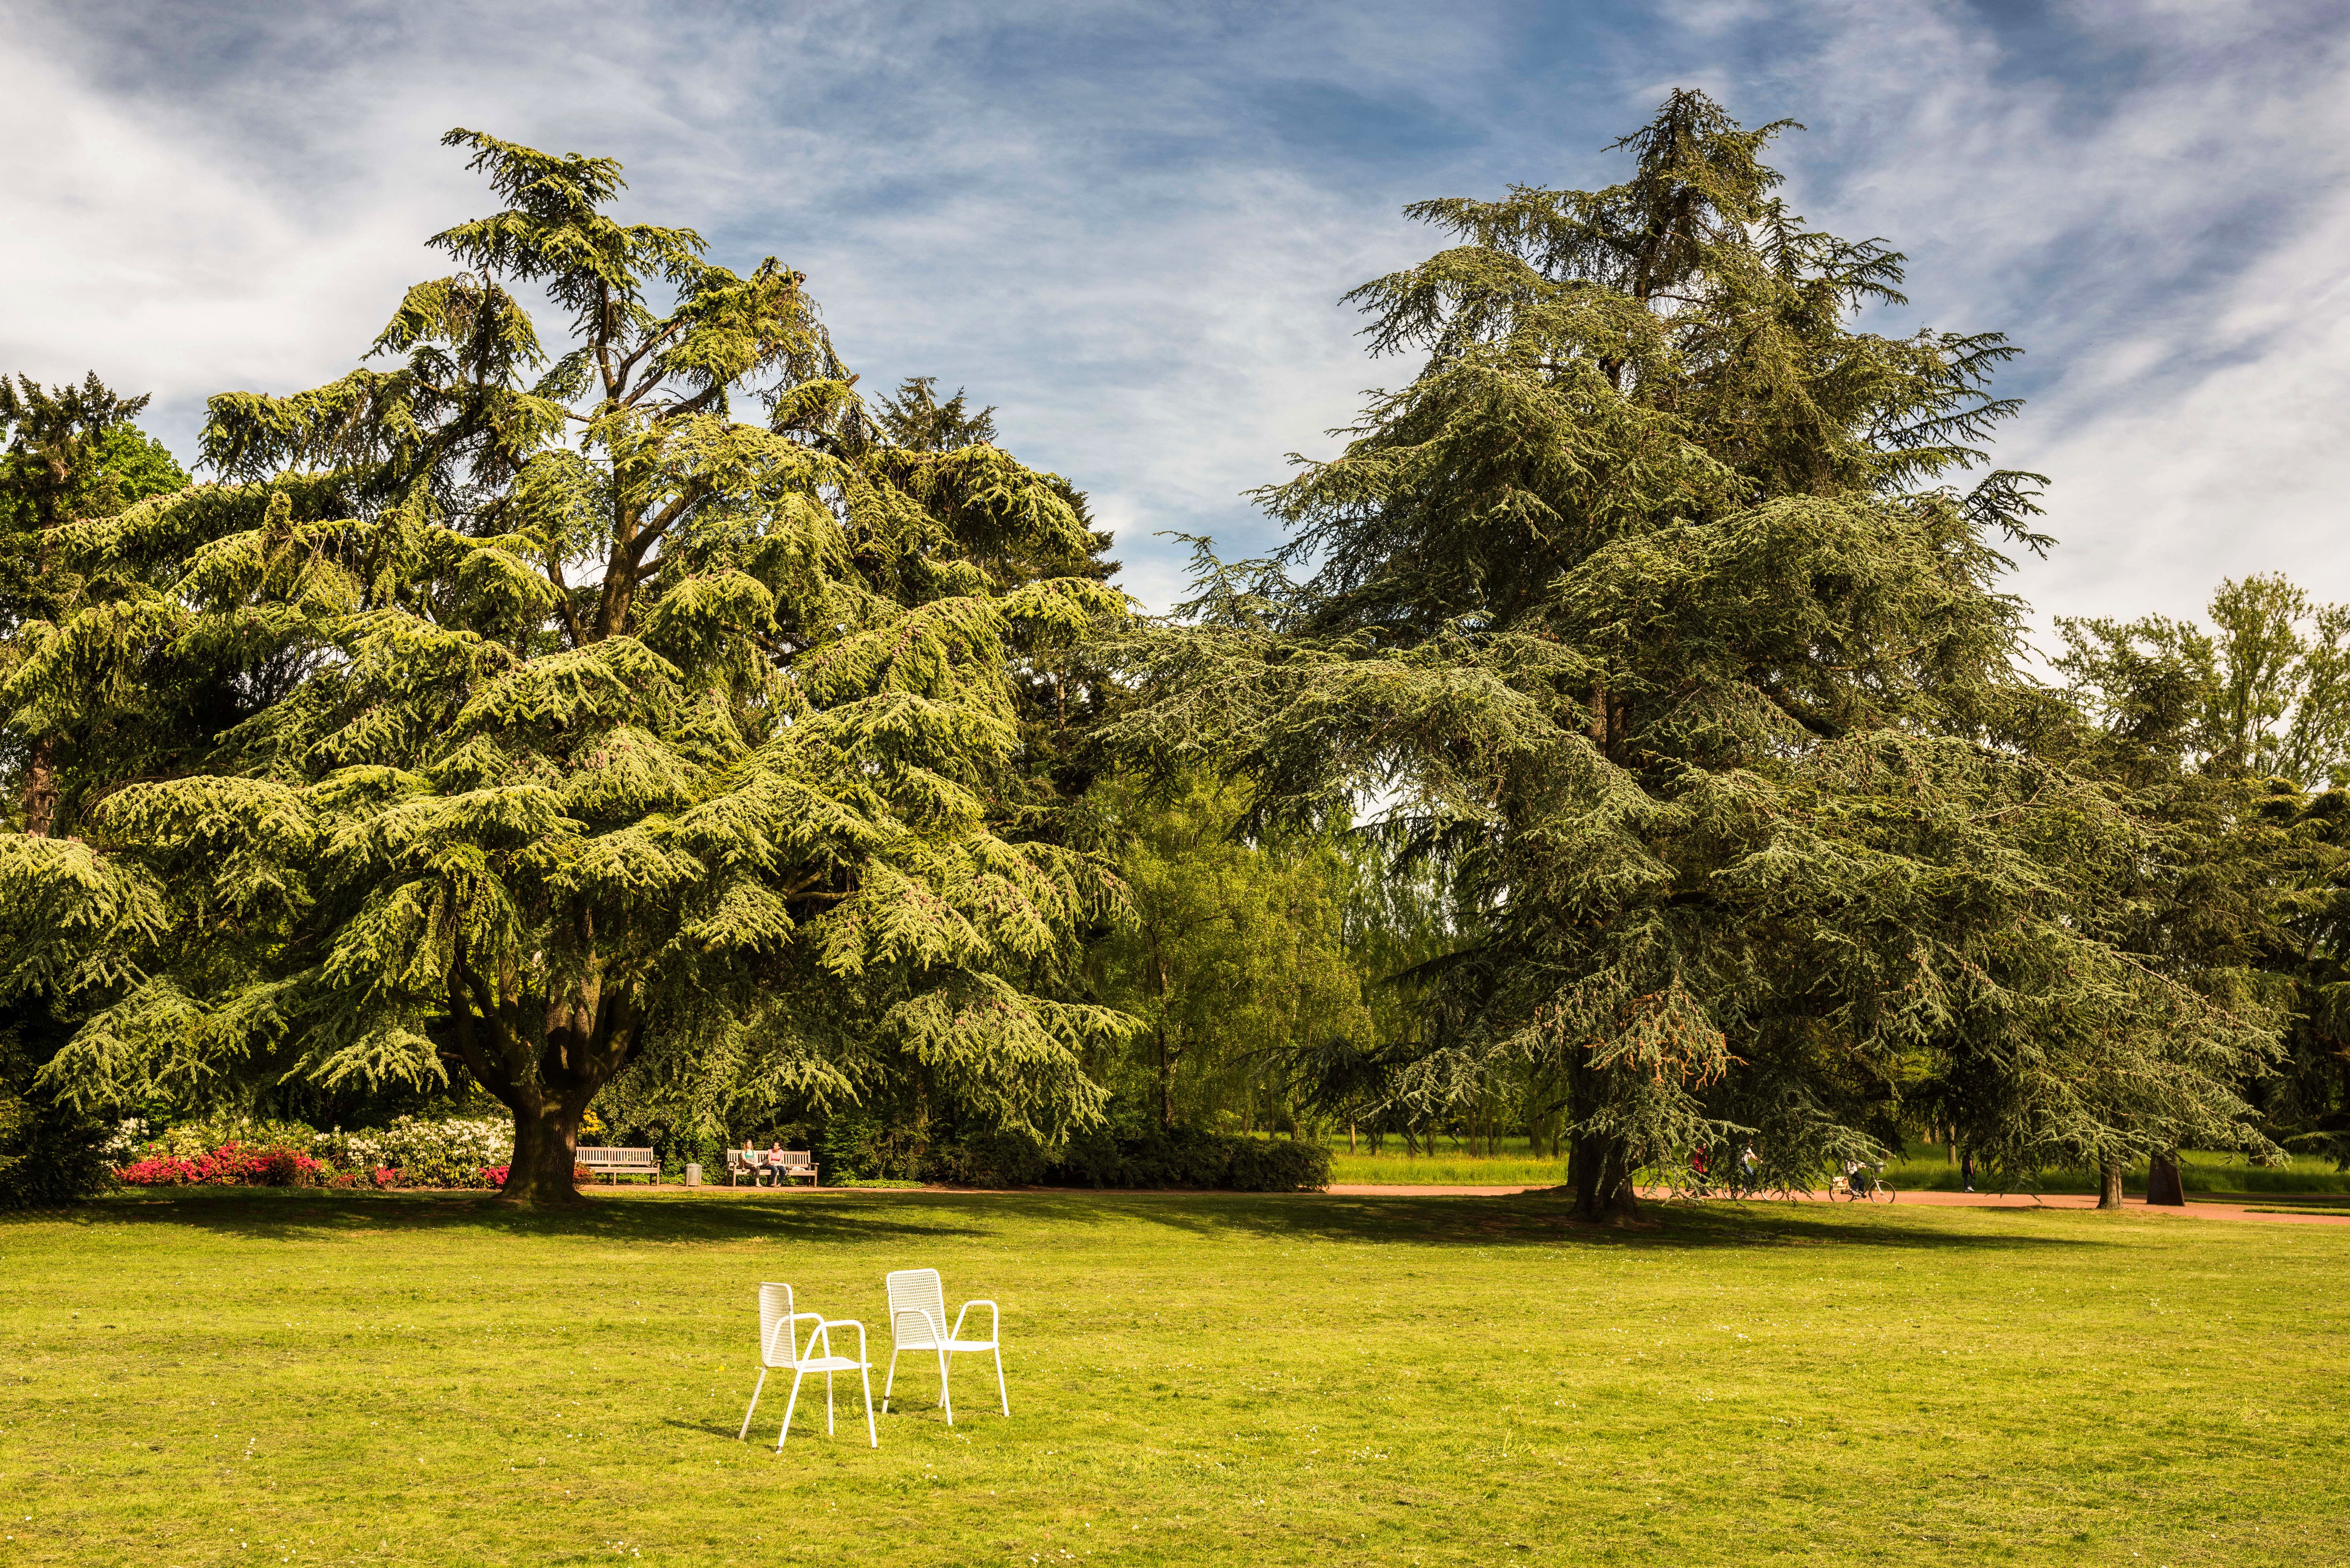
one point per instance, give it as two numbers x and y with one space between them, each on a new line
1192 1157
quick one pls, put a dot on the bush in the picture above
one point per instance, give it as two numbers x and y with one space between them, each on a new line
989 1159
230 1165
1278 1165
1193 1157
50 1154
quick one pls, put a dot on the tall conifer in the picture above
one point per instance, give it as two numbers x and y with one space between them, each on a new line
1649 599
588 717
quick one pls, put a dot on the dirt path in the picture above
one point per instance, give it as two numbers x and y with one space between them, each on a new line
2196 1209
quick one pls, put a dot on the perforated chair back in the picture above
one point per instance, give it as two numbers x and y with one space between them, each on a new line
775 1347
918 1308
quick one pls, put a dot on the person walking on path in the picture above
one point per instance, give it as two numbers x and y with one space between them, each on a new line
1746 1164
1967 1170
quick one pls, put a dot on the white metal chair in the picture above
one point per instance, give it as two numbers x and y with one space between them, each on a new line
918 1321
779 1349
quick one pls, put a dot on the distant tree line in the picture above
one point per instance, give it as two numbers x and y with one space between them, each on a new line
1631 749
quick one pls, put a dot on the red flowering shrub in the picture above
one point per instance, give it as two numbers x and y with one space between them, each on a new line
159 1170
495 1175
386 1177
580 1173
231 1164
284 1168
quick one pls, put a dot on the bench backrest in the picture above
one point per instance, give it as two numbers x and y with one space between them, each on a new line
594 1156
800 1158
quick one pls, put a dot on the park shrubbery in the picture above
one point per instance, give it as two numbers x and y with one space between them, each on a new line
1192 1157
413 1151
859 1148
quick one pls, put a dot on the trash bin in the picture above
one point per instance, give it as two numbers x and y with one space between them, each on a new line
694 1176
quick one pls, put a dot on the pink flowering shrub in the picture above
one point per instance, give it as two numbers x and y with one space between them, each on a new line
386 1177
231 1164
495 1175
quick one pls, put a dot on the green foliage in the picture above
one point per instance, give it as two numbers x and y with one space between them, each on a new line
49 1149
2230 737
1647 602
2263 693
71 453
577 725
1193 1157
1235 957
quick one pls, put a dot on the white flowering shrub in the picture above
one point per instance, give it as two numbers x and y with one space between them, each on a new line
126 1142
426 1153
452 1152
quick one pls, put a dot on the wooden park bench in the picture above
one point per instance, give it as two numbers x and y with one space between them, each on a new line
791 1166
613 1163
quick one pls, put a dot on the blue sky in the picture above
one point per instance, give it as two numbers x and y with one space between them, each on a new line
1128 225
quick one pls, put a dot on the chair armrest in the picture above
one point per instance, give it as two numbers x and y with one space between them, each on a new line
834 1322
789 1328
931 1328
994 1319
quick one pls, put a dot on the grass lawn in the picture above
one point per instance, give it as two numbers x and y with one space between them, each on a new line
1923 1166
248 1376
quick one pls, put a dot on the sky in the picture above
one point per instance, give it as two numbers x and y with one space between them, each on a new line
1128 225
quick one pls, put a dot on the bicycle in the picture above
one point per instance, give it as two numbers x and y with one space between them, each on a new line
1863 1187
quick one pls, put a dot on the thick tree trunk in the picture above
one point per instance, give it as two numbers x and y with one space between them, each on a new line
1602 1178
2162 1183
547 1138
2110 1184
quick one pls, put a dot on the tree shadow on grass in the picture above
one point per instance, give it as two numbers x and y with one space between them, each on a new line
1526 1220
284 1215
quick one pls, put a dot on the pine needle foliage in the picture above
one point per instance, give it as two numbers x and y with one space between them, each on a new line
1651 602
71 452
633 698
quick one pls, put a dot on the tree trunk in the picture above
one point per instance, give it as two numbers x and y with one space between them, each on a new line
547 1139
2162 1183
40 790
2109 1185
1166 1081
1601 1175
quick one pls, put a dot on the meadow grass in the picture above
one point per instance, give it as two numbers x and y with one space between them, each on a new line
1922 1167
249 1375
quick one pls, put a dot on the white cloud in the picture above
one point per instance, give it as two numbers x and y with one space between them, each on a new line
1098 217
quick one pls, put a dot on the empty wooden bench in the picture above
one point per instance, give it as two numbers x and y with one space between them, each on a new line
614 1163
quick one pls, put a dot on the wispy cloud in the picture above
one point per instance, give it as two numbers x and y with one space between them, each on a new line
1127 224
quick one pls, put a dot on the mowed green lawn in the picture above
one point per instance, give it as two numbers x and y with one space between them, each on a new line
253 1377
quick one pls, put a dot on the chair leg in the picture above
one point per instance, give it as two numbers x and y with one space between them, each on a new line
871 1436
946 1399
1000 1393
746 1432
827 1404
889 1382
789 1406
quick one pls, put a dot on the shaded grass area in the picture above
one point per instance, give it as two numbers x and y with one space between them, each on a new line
251 1376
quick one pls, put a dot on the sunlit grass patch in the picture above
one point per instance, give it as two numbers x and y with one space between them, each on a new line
249 1375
